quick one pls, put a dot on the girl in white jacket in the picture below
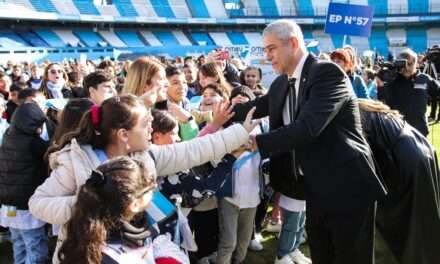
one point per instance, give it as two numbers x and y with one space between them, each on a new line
108 220
121 126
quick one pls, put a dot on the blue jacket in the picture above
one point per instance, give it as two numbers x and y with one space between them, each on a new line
359 86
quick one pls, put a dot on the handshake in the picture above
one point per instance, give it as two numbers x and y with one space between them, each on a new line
251 145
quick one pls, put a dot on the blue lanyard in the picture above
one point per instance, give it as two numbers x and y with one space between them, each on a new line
240 162
101 155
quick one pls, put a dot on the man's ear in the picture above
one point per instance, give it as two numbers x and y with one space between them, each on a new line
293 41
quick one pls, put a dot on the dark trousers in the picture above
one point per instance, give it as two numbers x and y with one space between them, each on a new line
205 228
434 106
341 237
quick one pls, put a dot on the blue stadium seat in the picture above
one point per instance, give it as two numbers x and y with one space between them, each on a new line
50 37
304 8
14 37
198 8
131 38
166 38
379 41
162 8
90 38
236 12
125 8
43 6
202 37
86 7
380 7
237 38
268 8
417 38
32 38
418 6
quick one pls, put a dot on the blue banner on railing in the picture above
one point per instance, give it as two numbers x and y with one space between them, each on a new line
345 19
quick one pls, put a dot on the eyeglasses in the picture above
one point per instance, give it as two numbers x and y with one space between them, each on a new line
56 71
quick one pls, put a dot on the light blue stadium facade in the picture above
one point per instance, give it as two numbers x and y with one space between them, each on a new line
58 29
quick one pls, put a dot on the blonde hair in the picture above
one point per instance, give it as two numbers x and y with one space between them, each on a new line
139 74
369 105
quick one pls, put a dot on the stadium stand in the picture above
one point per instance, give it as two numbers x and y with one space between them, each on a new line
166 38
237 38
202 38
130 38
90 38
198 8
43 5
144 24
86 7
162 8
150 38
416 38
50 37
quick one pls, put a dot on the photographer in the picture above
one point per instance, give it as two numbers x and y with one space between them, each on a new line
430 66
409 92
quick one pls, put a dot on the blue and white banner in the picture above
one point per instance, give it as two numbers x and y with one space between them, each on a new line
159 208
345 19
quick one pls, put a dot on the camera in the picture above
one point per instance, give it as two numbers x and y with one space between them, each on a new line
389 70
433 55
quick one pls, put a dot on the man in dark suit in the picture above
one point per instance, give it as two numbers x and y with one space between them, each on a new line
317 149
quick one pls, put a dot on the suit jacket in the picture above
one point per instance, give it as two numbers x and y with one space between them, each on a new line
326 134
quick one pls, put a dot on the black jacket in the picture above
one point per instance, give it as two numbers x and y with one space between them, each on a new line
339 172
410 97
232 74
409 218
22 168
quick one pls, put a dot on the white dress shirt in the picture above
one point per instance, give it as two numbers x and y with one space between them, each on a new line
288 203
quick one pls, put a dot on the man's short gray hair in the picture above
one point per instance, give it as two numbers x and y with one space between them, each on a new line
285 29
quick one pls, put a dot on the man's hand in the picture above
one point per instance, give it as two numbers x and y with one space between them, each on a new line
253 146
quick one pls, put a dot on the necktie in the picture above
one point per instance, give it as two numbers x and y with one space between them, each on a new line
292 111
292 96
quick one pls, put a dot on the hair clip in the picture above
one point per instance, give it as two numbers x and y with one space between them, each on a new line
97 179
96 116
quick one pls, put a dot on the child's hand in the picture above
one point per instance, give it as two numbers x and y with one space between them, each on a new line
221 114
149 98
178 112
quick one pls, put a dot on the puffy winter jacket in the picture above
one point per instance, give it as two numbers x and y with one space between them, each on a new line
22 168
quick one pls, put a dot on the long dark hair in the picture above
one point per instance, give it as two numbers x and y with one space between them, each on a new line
71 116
114 113
69 120
101 203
